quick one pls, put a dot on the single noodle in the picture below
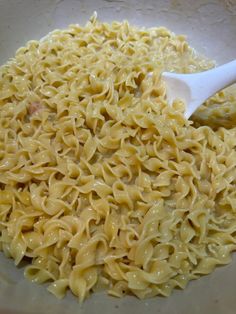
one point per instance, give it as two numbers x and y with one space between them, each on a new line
103 184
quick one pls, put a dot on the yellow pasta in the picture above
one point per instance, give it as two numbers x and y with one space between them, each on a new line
103 184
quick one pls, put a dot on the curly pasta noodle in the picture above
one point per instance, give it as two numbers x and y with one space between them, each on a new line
103 185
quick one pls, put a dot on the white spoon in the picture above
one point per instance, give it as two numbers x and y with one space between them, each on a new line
195 88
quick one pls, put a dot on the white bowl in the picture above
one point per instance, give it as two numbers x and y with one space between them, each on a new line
211 29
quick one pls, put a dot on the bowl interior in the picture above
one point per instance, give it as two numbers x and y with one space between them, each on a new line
210 27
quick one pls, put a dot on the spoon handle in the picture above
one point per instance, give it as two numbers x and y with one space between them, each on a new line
195 88
205 84
217 78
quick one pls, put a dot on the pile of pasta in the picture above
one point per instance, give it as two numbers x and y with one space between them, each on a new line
103 184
